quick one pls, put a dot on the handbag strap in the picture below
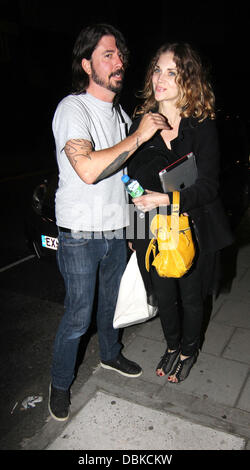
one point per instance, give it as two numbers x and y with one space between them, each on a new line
175 211
151 247
176 200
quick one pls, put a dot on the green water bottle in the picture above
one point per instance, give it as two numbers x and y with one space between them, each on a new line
134 189
132 186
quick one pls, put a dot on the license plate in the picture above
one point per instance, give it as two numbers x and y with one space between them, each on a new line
49 242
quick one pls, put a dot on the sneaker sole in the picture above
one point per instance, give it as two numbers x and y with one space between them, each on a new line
105 366
51 412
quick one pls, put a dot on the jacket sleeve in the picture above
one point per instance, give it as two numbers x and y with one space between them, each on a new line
206 150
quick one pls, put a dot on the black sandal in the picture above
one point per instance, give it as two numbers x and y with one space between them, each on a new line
183 367
167 361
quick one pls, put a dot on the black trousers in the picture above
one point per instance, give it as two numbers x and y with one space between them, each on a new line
181 303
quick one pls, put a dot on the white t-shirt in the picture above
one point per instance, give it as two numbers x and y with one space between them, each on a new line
80 206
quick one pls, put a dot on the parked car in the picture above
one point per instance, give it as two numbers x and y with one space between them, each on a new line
41 229
234 187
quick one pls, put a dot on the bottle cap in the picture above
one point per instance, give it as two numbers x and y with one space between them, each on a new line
125 178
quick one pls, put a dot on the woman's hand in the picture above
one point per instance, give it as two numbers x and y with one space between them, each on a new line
151 200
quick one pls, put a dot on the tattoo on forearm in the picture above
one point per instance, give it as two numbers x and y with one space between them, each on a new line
76 149
117 163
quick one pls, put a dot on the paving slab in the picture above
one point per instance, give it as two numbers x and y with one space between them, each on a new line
110 423
240 288
238 348
153 330
211 375
217 337
243 257
147 352
221 380
234 313
244 401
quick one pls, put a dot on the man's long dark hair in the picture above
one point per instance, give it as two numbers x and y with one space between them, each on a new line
84 47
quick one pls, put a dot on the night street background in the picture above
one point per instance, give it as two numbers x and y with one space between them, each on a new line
37 38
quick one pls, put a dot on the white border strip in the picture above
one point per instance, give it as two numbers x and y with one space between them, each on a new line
5 268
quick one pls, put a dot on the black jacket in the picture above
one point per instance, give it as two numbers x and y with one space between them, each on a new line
200 200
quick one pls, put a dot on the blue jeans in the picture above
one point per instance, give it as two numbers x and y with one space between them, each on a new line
81 261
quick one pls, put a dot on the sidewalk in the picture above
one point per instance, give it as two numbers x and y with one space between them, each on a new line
209 410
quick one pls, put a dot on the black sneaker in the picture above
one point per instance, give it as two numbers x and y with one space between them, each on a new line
123 366
59 401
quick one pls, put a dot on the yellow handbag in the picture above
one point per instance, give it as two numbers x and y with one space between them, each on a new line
175 243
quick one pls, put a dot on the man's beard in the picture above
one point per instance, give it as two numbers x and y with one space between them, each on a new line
114 88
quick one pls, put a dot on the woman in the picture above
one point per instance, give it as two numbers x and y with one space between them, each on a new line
176 87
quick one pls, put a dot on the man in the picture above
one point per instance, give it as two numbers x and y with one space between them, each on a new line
91 213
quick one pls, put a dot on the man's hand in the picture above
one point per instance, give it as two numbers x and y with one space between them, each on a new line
150 124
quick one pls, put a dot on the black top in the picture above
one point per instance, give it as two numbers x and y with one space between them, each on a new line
200 200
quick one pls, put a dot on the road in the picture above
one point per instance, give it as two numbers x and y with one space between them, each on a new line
32 294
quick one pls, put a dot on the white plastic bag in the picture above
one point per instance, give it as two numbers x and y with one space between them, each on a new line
132 306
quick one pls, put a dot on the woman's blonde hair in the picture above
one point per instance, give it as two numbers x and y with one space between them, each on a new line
196 95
